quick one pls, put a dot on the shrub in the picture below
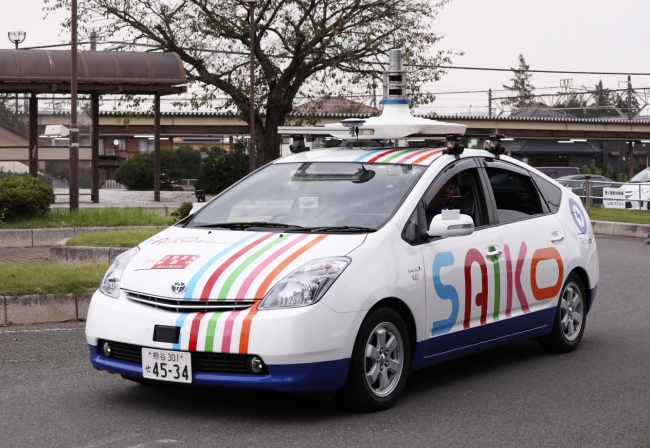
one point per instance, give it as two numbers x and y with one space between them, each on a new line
44 177
24 196
189 160
219 171
136 173
61 170
182 211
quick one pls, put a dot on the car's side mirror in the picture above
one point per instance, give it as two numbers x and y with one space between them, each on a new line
451 223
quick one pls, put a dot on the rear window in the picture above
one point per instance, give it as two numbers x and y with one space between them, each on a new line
551 194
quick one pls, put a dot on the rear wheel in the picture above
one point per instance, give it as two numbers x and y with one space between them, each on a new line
380 363
570 318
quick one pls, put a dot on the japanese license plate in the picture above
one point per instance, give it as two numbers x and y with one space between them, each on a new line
167 365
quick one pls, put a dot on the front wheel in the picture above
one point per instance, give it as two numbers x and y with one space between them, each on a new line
380 363
570 318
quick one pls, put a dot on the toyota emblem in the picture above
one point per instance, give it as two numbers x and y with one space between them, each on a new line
179 287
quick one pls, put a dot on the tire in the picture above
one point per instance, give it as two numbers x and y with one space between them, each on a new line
376 378
570 318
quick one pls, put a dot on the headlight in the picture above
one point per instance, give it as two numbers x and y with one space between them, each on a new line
111 282
306 285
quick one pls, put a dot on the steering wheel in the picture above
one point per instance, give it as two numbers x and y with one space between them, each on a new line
284 215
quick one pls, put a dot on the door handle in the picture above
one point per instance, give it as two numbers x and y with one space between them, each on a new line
556 237
493 251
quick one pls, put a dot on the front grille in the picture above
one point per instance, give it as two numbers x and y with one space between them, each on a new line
185 306
201 361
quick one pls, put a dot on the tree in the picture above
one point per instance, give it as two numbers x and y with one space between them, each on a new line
189 160
137 172
9 118
302 48
521 85
604 100
221 169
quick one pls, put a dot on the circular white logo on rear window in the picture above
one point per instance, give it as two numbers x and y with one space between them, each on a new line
578 216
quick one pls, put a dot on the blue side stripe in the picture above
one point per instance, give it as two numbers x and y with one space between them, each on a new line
179 323
195 279
371 153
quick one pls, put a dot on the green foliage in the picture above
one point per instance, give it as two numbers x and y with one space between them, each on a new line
92 217
221 170
118 238
521 85
44 177
591 169
189 160
18 279
24 196
61 170
182 211
9 118
622 177
136 173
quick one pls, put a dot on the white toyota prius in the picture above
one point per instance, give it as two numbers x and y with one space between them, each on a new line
346 269
321 272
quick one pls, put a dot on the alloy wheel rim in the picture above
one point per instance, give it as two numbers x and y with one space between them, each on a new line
571 311
384 359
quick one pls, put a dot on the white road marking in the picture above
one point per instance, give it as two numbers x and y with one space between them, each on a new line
41 330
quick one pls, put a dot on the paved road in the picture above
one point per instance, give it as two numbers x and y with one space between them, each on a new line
514 396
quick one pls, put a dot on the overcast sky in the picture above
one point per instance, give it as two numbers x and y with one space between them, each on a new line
580 35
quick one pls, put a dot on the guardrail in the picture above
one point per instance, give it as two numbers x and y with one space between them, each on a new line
623 195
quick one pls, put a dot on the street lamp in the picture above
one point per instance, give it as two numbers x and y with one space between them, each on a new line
17 36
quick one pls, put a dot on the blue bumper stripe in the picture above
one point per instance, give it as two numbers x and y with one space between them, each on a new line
317 376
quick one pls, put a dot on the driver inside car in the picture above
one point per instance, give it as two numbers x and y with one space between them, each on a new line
440 200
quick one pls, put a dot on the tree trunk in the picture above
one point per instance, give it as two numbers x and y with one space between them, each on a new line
267 138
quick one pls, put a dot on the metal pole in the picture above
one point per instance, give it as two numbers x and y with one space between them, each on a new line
251 141
490 103
588 194
156 150
74 128
95 147
33 136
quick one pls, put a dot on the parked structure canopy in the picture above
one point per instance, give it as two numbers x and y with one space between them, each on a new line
99 72
103 72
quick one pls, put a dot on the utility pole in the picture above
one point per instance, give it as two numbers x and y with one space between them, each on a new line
73 186
630 144
490 103
251 141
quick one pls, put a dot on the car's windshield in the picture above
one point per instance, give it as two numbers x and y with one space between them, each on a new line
643 176
314 195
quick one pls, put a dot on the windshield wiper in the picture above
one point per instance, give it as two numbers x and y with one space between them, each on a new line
335 229
246 225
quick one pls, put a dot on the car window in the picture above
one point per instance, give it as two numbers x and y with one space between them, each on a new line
551 194
515 195
327 194
467 196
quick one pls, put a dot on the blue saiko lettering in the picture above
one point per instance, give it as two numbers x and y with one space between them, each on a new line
445 292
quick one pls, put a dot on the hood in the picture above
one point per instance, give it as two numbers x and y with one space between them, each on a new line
225 264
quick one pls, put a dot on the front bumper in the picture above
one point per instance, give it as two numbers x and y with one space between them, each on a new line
304 349
317 376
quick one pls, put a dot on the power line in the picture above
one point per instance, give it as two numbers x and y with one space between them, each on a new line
447 67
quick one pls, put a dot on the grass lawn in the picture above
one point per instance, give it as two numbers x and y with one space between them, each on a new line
619 215
118 238
19 278
92 217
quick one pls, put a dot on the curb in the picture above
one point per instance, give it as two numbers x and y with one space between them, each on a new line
50 236
62 254
40 308
621 229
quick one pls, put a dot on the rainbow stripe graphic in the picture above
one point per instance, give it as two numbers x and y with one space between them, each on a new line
399 156
247 273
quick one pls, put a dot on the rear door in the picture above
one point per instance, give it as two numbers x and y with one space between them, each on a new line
534 246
